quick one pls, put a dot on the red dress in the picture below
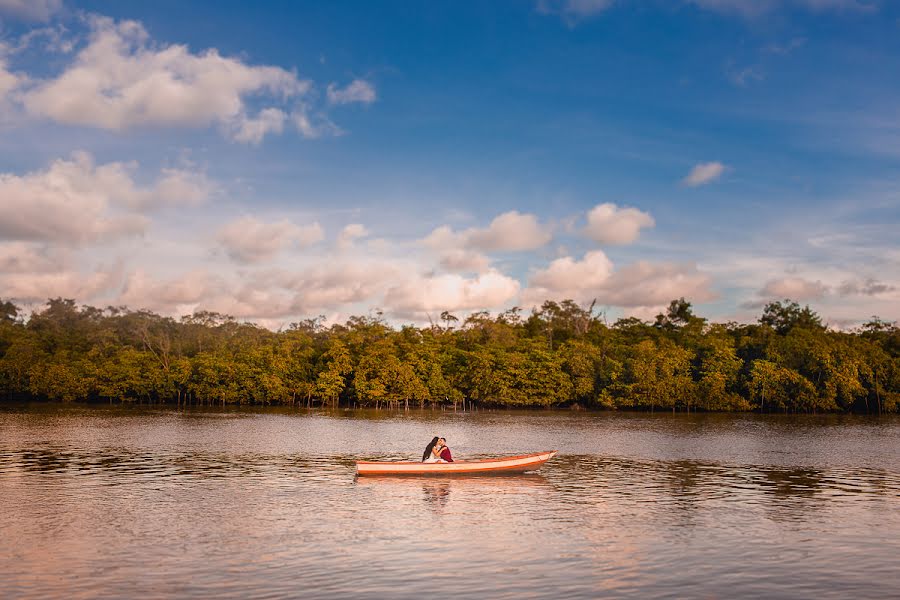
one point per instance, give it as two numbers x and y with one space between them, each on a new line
445 454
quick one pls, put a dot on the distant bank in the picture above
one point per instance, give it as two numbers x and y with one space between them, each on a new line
559 356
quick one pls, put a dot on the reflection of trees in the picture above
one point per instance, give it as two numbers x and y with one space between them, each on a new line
686 483
476 489
787 483
793 492
45 460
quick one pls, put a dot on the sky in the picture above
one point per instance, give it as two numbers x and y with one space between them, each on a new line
282 160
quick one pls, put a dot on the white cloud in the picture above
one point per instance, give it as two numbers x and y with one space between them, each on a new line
141 291
248 239
37 286
76 201
30 10
704 173
567 274
642 284
794 288
121 80
175 187
55 39
464 261
443 237
509 232
419 297
342 282
609 224
350 234
269 120
23 257
70 202
313 126
358 90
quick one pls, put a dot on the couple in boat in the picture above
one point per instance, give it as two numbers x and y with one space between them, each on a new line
437 451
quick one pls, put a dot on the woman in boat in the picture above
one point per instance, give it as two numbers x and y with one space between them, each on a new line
432 450
444 451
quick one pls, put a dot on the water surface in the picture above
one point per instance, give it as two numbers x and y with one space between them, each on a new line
100 502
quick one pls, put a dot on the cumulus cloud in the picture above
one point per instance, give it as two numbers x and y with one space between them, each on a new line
419 297
37 286
642 284
510 232
464 261
76 201
358 90
188 289
569 275
341 282
30 10
70 202
121 80
349 234
174 187
656 284
609 224
704 173
248 239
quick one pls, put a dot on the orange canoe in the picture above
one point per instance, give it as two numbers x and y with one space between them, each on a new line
506 464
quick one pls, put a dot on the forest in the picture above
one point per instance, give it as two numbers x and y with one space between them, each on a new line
561 355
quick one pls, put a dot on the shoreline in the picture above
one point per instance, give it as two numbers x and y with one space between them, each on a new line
10 406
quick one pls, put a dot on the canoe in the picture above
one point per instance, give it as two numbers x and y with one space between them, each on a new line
506 464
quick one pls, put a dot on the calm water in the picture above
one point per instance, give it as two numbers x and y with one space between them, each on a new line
98 502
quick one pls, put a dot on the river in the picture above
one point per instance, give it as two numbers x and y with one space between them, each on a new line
131 502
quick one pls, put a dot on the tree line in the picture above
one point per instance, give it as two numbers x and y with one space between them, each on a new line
559 355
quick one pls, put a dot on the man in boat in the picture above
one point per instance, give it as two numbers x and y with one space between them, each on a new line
444 451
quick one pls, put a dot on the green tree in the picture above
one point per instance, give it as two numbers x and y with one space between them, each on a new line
331 380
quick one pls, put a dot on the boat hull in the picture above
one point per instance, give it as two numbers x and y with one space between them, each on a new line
507 464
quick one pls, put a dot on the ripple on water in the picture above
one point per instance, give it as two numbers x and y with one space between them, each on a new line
114 503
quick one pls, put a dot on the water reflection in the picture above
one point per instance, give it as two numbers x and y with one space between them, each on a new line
437 493
243 504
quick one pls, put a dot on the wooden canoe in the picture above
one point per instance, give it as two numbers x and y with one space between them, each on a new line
506 464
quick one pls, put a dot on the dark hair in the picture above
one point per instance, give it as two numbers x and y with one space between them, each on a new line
429 448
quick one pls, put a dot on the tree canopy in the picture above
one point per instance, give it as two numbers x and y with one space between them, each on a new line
560 355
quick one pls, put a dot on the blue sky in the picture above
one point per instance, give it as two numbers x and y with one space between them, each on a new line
294 159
